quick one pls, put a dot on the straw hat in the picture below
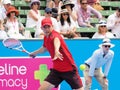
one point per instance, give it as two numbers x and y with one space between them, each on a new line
107 41
12 9
67 2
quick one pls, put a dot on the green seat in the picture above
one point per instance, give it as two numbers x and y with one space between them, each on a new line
94 20
30 29
23 20
42 12
86 30
43 3
107 12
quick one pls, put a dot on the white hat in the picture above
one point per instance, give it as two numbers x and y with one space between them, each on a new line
106 41
33 1
7 2
102 23
64 11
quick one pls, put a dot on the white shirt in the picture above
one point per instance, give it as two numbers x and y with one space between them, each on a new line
115 29
97 60
107 35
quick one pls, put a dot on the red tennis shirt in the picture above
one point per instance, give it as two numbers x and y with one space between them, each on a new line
68 63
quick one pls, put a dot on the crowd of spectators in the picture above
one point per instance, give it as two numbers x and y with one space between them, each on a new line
66 16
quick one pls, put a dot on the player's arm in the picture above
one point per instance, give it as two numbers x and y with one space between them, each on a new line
57 47
40 50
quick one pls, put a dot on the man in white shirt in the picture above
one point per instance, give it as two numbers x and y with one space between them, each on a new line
100 57
113 23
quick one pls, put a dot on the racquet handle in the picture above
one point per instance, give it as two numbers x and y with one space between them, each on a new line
33 56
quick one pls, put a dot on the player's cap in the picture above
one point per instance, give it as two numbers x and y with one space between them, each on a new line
46 21
106 41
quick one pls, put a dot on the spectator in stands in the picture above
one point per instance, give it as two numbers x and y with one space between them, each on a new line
67 4
84 14
55 14
67 25
48 14
103 31
12 23
3 9
113 23
55 4
3 34
33 18
28 1
95 4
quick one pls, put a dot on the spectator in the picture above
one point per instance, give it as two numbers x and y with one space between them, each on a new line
84 14
103 31
33 18
67 4
3 34
12 23
4 8
67 25
113 23
55 14
55 4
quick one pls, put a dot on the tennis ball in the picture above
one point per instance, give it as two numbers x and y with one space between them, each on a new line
82 67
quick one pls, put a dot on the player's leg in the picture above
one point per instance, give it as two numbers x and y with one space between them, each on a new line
73 79
51 81
46 86
99 77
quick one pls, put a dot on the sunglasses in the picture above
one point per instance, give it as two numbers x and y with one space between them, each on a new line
103 26
107 46
49 12
65 14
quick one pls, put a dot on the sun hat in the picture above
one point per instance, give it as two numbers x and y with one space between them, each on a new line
12 9
102 23
33 1
46 21
7 2
64 11
107 41
67 2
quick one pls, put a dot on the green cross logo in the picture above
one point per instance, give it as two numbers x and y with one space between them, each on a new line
42 73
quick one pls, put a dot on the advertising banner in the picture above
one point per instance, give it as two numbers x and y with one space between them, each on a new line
22 73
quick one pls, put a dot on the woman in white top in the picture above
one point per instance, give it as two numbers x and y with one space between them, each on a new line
3 34
67 25
33 17
102 31
12 23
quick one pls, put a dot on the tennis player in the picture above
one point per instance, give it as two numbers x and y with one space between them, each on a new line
64 67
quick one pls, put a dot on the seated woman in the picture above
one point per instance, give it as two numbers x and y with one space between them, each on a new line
102 31
67 25
33 18
12 24
3 34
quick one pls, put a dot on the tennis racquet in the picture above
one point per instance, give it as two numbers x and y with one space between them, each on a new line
15 44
